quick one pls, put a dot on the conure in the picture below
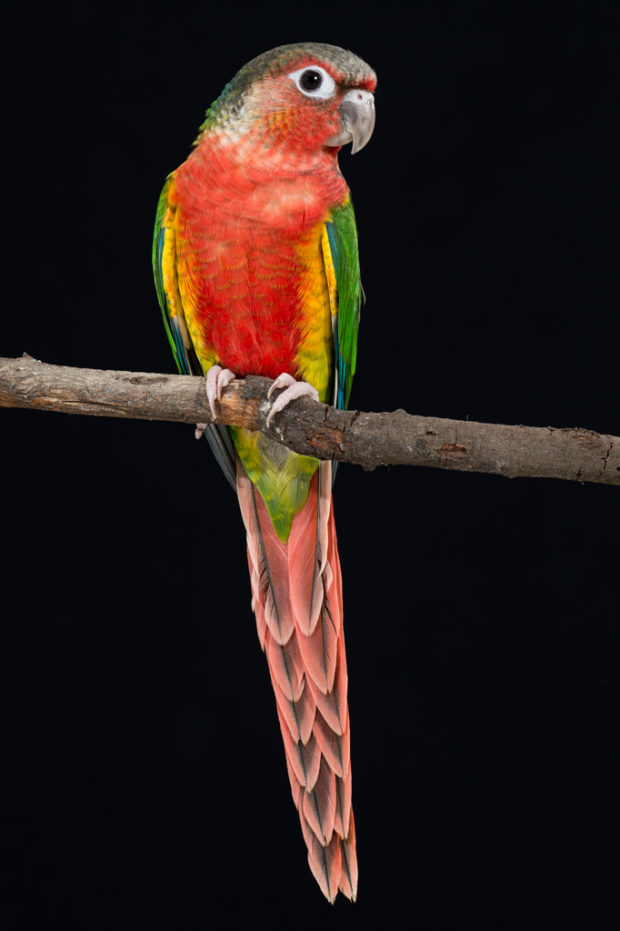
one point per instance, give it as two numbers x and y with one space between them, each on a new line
256 268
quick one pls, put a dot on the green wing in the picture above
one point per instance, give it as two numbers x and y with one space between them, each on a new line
342 235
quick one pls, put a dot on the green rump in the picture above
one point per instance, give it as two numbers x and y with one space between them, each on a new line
281 476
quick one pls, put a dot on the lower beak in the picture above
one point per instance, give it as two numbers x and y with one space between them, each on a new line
357 115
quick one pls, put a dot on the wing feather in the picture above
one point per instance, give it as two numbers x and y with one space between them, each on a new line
341 253
165 271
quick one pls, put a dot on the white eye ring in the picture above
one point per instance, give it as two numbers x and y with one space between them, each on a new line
325 87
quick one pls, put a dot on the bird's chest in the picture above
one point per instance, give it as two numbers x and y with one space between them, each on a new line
257 275
250 303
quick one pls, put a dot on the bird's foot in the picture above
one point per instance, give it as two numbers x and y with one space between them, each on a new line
293 389
216 380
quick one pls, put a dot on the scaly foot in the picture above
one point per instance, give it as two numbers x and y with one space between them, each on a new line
216 380
293 389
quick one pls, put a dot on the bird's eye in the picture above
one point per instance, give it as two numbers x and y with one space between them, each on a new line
311 80
314 82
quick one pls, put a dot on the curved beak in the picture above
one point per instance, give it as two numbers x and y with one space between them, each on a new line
357 115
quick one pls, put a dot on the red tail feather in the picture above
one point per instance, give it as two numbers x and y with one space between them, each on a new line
297 599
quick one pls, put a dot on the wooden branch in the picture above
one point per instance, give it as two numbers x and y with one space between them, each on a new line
316 429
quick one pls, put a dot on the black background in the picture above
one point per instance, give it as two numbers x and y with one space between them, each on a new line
147 782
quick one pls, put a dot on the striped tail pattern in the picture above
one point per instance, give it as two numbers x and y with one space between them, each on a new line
297 600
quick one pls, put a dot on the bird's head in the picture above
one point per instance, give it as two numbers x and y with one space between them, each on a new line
307 97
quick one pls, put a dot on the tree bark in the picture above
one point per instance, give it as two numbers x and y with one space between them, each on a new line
366 439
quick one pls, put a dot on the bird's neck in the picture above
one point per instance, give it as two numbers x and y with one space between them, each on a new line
270 184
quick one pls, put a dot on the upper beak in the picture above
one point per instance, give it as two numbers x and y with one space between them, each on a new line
357 115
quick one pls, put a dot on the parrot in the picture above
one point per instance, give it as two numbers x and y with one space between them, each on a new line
256 266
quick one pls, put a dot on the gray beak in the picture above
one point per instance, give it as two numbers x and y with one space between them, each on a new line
357 113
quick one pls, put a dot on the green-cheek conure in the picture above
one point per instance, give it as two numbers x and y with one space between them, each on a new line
257 273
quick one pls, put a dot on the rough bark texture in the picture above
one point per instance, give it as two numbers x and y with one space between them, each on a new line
366 439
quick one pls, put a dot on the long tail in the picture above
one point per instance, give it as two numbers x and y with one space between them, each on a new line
297 600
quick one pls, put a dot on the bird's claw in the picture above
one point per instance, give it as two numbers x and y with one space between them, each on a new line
292 389
216 381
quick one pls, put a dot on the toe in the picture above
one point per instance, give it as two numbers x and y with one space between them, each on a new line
299 389
216 380
284 380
